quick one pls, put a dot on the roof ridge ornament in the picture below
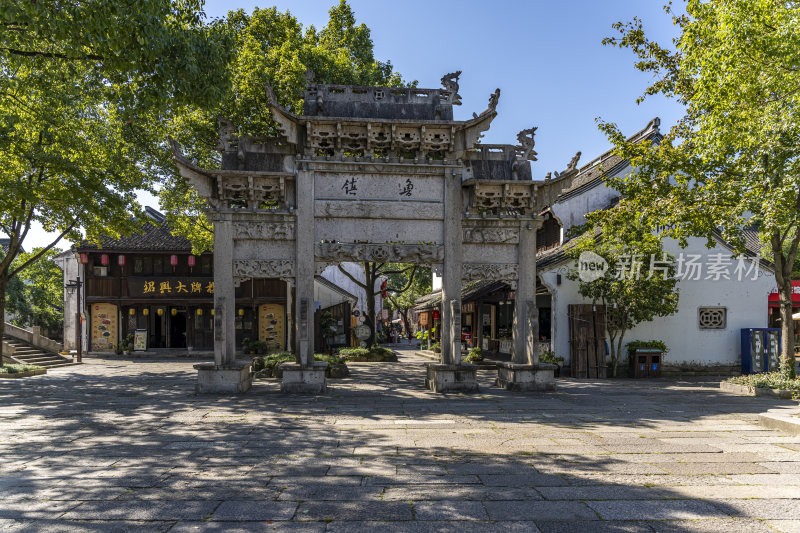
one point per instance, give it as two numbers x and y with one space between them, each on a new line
494 98
524 150
450 83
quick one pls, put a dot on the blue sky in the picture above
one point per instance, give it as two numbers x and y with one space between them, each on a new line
545 56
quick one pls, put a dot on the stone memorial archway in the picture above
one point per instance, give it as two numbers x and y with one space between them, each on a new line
374 174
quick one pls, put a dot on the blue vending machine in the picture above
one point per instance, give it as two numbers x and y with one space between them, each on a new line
761 350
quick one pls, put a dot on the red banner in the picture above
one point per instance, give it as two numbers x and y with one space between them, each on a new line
773 296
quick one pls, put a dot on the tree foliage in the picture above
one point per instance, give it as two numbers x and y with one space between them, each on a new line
733 160
85 88
404 289
374 272
631 291
36 295
269 47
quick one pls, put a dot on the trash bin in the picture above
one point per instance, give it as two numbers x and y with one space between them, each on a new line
646 363
761 350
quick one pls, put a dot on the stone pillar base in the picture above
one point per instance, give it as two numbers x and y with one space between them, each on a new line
223 379
451 378
304 380
519 377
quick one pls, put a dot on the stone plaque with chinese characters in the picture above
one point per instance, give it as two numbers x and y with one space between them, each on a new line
378 187
177 287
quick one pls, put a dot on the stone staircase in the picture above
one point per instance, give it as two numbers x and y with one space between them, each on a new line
28 354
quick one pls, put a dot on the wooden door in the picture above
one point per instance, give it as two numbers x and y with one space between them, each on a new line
587 334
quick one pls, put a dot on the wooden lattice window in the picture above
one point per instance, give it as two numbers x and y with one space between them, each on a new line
712 317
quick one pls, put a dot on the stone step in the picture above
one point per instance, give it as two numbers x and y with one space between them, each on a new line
31 355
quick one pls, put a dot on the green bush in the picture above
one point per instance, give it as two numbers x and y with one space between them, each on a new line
768 380
259 346
633 345
376 354
475 355
330 359
436 347
16 369
549 356
264 366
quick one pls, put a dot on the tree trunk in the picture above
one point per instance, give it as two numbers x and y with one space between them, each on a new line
615 358
369 275
787 329
3 285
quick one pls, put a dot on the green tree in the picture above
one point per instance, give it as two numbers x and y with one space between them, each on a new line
733 160
269 47
84 90
631 292
374 272
37 296
404 290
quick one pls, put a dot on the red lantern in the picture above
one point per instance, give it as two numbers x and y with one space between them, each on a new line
384 285
121 260
173 260
435 314
104 259
191 260
84 258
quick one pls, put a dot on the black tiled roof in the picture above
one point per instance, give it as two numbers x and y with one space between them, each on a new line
155 236
469 292
5 242
608 163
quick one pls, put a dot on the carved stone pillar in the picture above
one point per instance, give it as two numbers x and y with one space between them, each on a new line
526 316
451 282
224 294
289 318
304 269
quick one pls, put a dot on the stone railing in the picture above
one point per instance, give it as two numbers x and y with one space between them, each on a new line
32 337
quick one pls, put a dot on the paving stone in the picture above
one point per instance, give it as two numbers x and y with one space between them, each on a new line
354 510
594 527
600 492
655 510
248 510
248 527
771 509
541 510
135 510
432 527
711 526
449 510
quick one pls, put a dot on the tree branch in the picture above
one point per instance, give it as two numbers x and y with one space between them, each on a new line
41 252
354 280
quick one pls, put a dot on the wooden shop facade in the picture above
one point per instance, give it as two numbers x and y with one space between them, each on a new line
151 286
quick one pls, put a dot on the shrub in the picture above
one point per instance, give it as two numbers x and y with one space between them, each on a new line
768 380
16 369
633 345
259 346
376 354
264 366
475 355
436 347
330 359
549 356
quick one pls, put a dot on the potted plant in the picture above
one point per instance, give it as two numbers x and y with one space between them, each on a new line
126 345
475 355
549 356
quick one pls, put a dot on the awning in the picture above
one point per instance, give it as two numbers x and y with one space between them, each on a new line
773 296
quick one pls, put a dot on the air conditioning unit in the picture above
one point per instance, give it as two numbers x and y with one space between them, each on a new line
101 271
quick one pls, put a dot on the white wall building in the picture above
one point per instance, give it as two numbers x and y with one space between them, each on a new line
722 286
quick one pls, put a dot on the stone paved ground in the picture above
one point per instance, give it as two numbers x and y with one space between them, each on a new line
127 446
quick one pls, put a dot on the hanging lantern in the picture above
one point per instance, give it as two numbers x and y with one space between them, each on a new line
160 312
104 259
84 258
173 260
121 260
191 261
240 312
199 312
146 311
132 311
212 311
173 312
